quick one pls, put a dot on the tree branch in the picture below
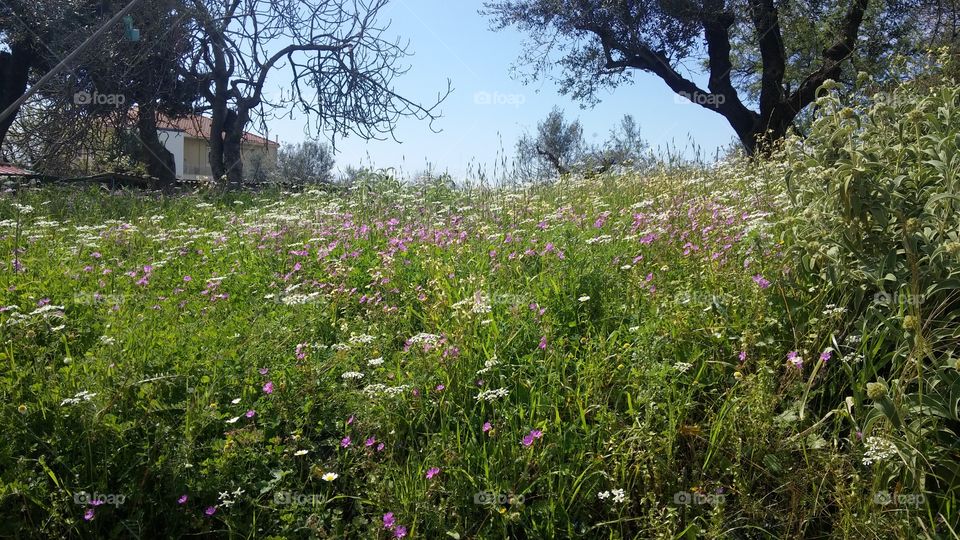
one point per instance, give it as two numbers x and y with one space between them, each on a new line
773 55
833 58
553 159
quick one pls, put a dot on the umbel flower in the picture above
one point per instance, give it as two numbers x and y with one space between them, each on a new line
878 450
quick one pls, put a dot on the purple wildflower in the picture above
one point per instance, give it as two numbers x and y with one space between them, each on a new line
794 358
532 436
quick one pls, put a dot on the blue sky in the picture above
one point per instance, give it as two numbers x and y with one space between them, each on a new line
449 39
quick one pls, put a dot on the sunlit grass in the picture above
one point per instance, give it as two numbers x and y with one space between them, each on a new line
602 358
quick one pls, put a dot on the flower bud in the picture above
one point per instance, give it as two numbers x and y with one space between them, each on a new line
876 390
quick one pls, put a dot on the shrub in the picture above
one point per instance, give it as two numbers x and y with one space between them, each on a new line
875 234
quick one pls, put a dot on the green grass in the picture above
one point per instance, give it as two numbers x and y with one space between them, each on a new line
649 297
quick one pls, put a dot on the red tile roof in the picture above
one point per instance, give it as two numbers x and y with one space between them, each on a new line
199 127
8 169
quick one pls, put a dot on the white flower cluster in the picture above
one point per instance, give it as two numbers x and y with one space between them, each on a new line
225 496
16 318
375 361
878 449
833 311
423 337
488 365
618 495
602 239
23 208
682 367
374 390
492 395
299 299
852 358
81 396
352 376
49 310
479 303
361 339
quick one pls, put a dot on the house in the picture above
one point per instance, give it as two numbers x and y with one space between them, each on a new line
188 139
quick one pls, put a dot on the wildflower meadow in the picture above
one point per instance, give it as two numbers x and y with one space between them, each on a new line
753 349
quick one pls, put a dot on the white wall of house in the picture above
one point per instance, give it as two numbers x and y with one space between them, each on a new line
173 141
191 154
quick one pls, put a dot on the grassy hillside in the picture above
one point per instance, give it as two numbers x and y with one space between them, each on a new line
681 354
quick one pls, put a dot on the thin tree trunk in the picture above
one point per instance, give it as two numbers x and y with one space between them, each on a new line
216 142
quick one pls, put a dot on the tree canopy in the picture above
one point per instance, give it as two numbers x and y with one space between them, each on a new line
218 58
763 60
558 147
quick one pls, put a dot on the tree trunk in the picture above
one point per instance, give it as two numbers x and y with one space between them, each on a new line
14 72
160 161
233 148
554 160
215 143
233 160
